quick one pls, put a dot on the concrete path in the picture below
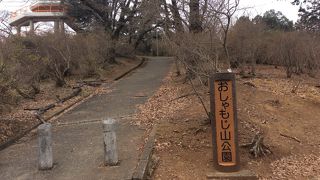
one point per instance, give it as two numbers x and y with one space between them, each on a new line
78 146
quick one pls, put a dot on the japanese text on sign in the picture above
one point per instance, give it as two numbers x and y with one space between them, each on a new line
224 119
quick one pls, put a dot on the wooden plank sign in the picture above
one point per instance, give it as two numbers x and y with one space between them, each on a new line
224 122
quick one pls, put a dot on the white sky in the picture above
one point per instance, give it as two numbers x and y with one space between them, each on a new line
258 7
12 5
254 7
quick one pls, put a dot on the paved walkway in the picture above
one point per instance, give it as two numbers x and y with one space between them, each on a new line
78 147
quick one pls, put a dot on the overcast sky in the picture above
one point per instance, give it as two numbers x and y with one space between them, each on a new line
11 5
255 7
260 6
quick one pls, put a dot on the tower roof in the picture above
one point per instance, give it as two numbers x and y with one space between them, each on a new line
39 10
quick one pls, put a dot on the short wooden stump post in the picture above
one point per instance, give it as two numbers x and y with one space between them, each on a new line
110 143
45 158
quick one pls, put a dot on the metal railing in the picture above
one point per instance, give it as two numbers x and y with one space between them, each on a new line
48 8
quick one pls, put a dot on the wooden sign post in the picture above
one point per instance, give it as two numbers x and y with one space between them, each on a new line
224 122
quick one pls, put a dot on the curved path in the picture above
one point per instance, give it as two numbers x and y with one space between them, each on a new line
78 143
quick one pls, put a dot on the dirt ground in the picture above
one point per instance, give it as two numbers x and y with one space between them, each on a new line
18 120
184 145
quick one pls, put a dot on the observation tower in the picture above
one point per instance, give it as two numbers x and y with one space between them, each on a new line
40 11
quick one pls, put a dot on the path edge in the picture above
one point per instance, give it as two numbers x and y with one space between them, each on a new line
143 60
145 161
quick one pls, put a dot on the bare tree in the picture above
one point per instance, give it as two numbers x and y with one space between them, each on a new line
245 41
5 28
224 11
113 15
194 18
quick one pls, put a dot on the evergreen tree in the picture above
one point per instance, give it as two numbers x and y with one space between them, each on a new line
309 13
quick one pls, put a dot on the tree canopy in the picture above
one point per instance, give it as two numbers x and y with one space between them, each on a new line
309 13
275 20
115 16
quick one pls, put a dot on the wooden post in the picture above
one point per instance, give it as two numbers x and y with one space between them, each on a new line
31 24
224 122
110 143
19 30
45 147
56 26
61 24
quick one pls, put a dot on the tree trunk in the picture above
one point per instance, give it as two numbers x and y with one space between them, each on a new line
195 25
60 82
111 59
176 16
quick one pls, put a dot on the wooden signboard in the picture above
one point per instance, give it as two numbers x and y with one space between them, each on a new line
224 122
